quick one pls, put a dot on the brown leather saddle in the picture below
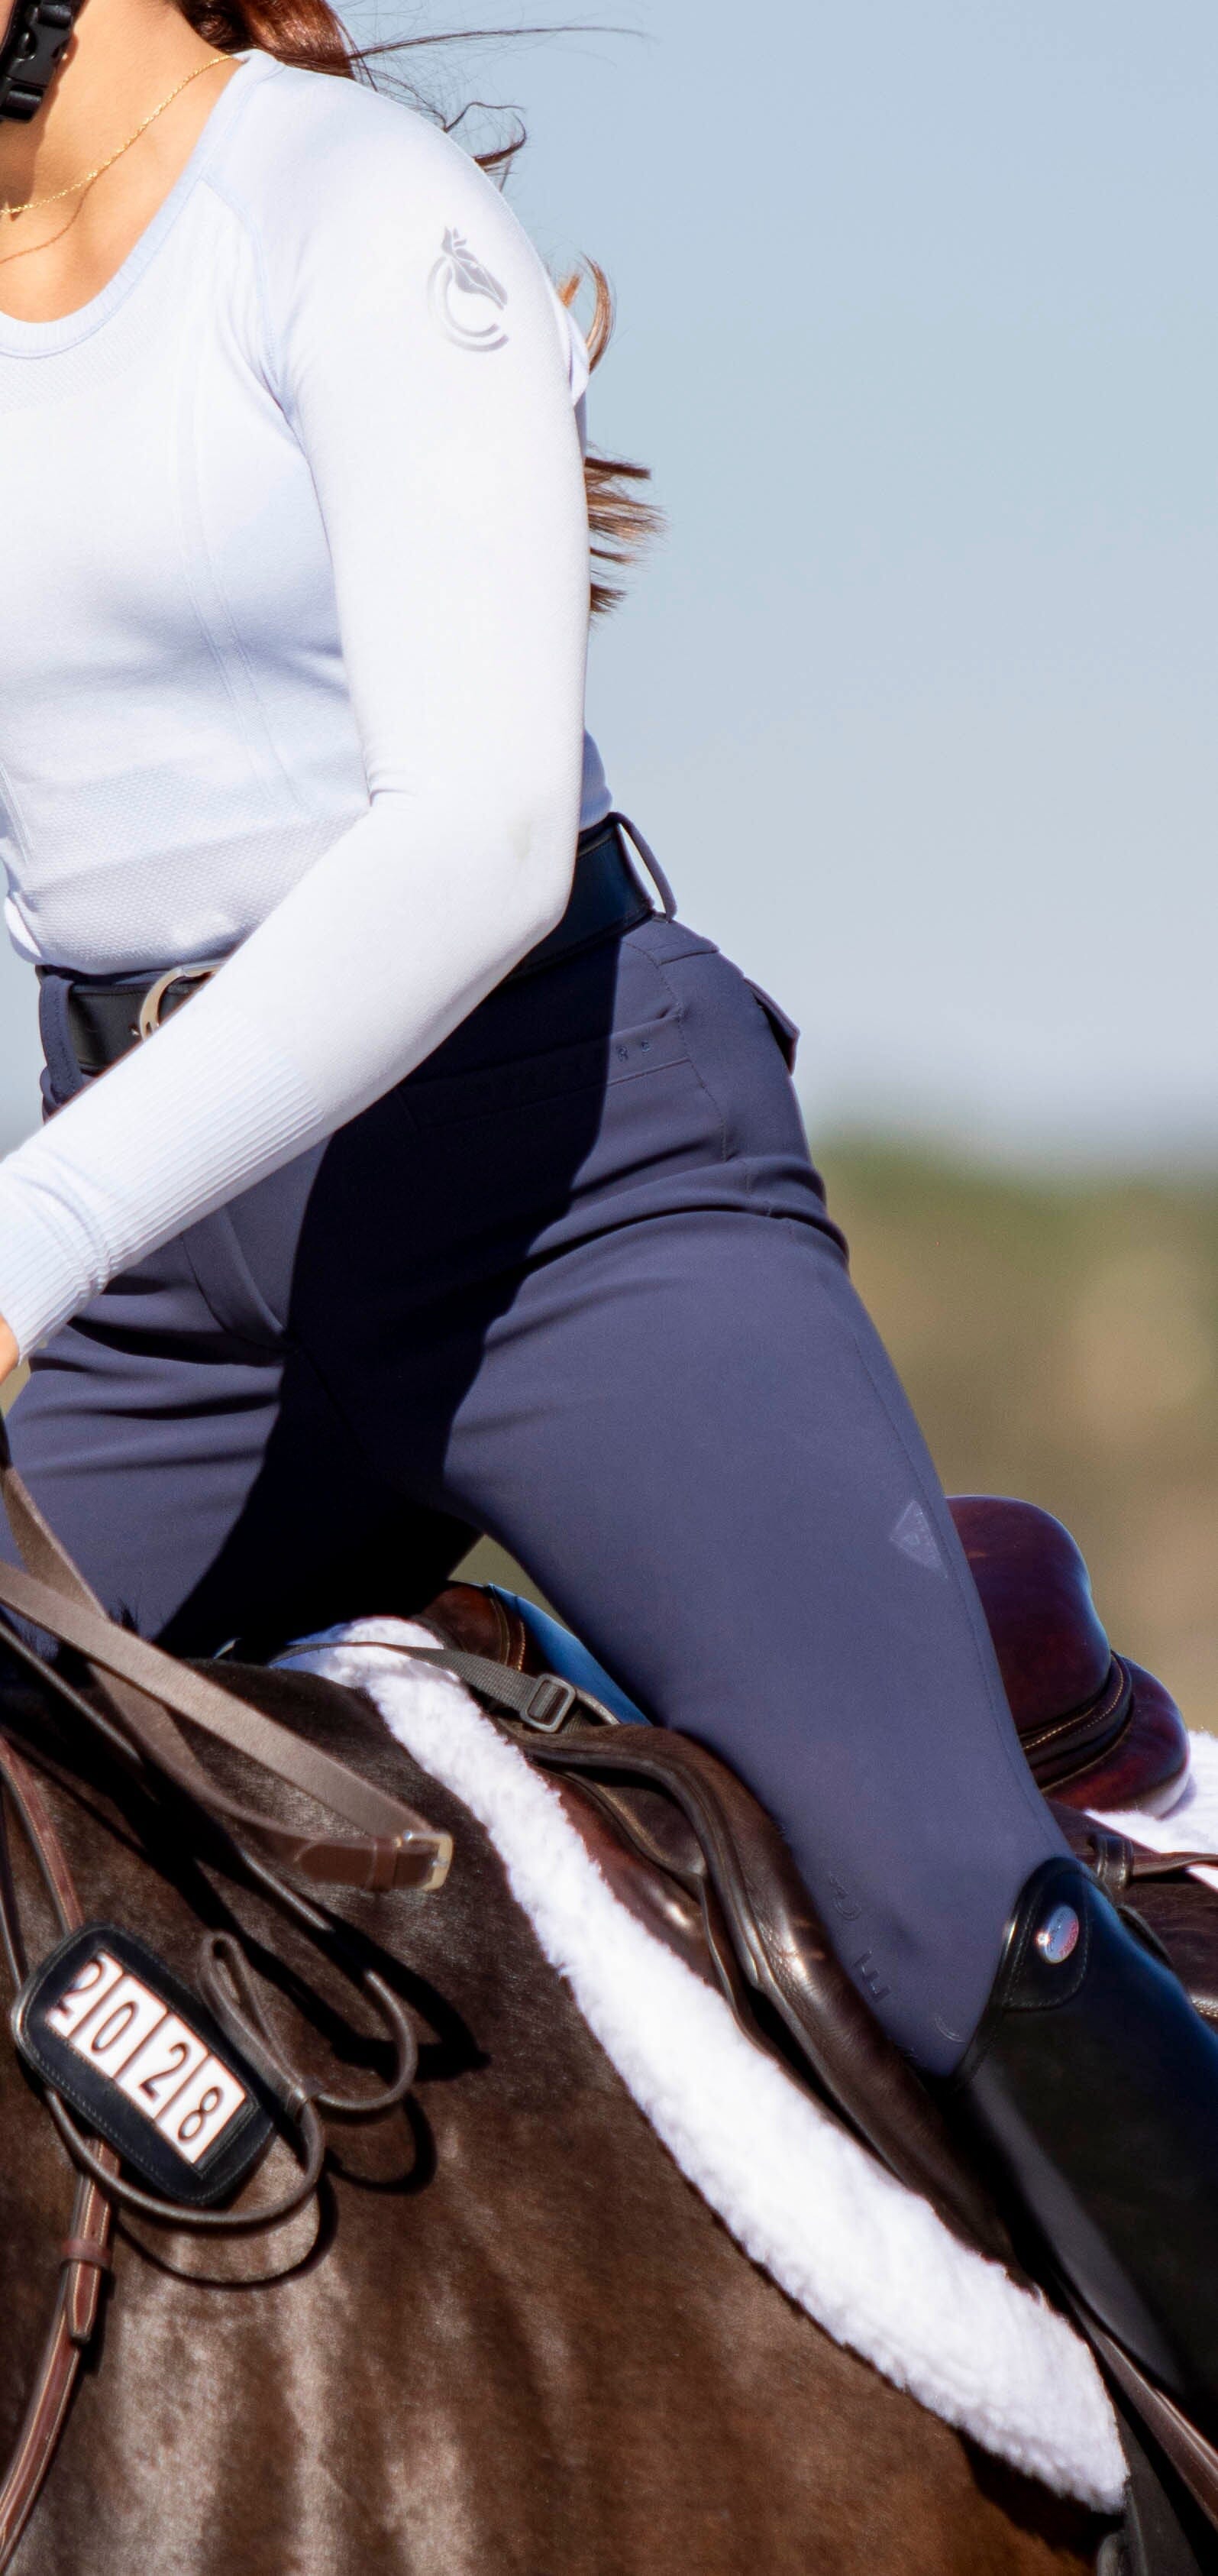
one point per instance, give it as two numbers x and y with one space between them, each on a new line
1098 1731
690 1853
692 1856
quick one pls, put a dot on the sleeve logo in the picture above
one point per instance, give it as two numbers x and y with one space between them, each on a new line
460 290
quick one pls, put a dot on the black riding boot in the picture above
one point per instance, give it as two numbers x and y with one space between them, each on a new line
1092 2085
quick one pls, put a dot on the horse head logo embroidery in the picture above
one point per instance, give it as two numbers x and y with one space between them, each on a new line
459 289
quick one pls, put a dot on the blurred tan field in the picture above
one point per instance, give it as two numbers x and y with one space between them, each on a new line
1059 1339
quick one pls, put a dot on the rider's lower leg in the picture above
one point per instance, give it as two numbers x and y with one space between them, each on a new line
1092 2087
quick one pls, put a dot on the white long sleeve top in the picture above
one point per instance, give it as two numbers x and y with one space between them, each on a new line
293 613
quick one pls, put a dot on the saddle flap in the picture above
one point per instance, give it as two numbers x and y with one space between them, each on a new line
687 1829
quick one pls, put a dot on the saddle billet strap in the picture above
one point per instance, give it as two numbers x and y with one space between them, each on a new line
1186 2450
1118 1864
541 1701
777 1942
1145 1863
86 2248
394 1846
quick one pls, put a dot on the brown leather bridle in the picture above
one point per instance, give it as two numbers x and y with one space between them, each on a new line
148 1692
139 1696
85 2250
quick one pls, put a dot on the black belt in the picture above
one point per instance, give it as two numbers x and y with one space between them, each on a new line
107 1019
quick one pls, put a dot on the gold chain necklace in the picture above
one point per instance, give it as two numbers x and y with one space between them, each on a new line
57 195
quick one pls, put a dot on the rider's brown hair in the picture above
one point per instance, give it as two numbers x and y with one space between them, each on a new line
310 35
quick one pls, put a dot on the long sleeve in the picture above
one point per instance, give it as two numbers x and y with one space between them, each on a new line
412 344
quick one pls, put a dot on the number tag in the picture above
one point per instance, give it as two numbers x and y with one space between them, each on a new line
145 2064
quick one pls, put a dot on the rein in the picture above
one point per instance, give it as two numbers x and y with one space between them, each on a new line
85 2250
143 1695
390 1846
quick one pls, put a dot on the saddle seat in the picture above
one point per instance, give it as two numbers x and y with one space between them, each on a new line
1097 1730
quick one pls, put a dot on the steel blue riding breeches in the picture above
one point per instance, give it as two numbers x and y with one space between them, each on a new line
573 1283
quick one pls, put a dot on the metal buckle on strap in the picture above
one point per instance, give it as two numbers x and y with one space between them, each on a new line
550 1703
153 1002
668 899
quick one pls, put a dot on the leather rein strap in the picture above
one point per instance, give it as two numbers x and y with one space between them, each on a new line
389 1845
85 2250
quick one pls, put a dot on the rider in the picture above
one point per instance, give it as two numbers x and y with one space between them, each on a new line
438 1181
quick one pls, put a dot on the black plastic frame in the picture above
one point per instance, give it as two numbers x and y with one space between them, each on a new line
96 2098
31 48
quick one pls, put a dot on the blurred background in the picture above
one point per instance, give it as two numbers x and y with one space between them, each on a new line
916 700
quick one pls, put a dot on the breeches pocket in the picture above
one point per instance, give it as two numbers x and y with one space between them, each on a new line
577 1074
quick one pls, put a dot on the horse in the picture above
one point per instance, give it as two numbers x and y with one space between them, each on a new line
507 2334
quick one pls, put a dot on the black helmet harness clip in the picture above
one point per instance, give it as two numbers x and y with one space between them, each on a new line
30 48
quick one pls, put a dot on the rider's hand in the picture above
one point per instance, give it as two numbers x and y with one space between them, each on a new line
8 1351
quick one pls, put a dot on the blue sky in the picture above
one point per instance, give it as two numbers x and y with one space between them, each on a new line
916 702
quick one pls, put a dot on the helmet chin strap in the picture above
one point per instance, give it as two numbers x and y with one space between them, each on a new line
31 44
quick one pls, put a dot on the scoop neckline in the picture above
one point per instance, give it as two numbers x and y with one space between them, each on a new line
19 339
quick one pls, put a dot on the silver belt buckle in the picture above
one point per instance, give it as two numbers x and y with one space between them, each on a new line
150 1008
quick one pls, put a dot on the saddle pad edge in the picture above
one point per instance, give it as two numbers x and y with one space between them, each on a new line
986 2356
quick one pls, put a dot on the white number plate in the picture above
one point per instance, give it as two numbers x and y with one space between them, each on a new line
145 2064
126 2032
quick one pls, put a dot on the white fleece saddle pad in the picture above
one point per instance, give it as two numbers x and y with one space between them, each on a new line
862 2255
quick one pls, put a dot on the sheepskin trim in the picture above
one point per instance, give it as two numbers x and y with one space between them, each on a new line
863 2256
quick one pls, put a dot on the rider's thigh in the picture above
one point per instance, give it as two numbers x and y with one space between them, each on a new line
690 1436
195 1468
679 1417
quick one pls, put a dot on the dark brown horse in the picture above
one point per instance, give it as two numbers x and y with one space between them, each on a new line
516 2340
